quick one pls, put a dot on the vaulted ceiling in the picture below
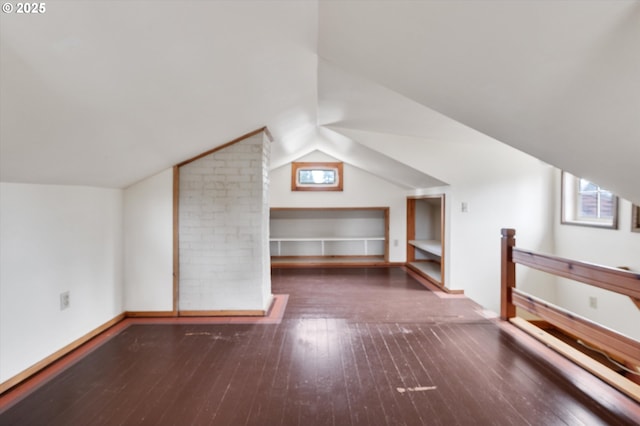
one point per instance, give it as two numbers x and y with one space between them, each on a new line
107 93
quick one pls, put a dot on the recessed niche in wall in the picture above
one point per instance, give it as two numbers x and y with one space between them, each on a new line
425 237
312 235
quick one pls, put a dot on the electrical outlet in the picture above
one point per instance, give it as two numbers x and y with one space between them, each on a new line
464 207
395 243
593 302
64 300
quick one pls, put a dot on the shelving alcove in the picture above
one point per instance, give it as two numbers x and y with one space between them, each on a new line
425 237
339 236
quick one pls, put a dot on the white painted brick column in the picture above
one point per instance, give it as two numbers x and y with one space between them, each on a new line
224 229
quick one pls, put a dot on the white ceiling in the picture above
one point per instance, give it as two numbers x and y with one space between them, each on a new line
559 80
107 93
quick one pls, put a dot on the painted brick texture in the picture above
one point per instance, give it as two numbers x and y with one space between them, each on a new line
223 226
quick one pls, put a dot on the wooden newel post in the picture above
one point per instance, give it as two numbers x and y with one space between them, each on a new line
508 274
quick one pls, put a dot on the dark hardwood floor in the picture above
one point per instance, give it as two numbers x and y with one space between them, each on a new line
355 347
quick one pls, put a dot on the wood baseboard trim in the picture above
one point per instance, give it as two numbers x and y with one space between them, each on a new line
150 314
430 283
346 264
224 313
609 376
35 368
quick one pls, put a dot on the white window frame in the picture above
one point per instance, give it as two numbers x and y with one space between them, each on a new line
296 185
570 205
635 218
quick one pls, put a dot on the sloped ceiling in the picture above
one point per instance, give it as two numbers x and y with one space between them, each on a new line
556 79
107 93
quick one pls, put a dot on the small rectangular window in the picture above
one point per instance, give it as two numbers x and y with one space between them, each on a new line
316 176
586 203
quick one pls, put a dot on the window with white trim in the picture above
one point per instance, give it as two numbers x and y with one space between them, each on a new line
316 176
635 218
588 204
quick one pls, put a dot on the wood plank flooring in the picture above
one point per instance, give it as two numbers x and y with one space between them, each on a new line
354 347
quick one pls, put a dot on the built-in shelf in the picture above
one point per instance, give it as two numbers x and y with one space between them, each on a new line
325 234
431 246
326 239
332 261
425 234
429 269
322 242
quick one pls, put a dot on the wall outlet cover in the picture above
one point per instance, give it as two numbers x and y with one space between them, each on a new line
64 300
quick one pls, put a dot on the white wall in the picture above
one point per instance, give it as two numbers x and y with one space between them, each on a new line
520 198
361 189
148 244
503 188
610 247
56 239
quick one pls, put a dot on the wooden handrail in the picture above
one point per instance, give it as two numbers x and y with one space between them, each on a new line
616 344
617 280
508 274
